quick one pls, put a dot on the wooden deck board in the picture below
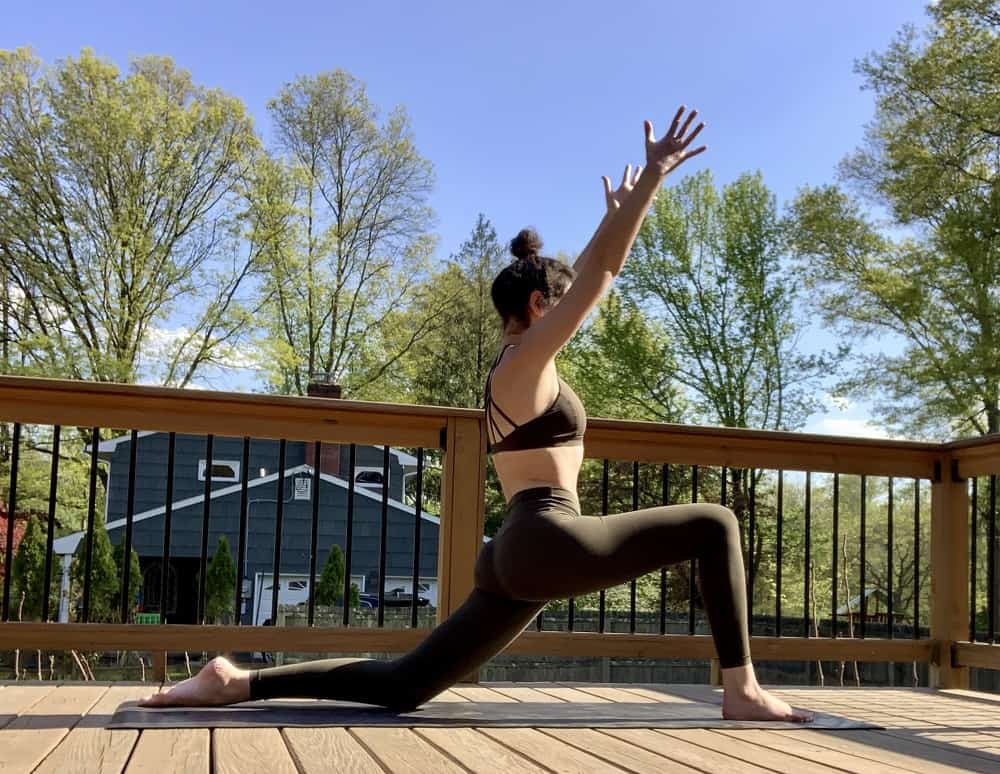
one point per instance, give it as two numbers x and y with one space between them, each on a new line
477 752
401 751
49 727
36 731
238 750
90 747
318 750
169 750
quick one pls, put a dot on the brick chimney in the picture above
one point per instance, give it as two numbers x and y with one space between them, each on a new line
320 386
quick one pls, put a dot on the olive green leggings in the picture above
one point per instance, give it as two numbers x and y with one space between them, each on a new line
545 550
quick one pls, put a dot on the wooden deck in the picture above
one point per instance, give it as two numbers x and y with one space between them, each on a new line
47 727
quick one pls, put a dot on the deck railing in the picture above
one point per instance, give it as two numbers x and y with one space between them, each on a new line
956 482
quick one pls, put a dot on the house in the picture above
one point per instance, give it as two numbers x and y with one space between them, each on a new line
876 607
264 483
20 522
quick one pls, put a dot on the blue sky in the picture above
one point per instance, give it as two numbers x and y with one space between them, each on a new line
521 107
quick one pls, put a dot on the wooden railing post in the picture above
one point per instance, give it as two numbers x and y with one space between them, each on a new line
949 572
160 666
463 488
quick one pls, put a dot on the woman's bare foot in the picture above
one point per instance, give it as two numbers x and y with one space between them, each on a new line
218 682
760 705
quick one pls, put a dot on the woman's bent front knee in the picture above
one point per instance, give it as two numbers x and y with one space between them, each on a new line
719 522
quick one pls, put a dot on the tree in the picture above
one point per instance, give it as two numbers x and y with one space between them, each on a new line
448 367
105 577
707 266
621 365
220 583
355 243
330 589
931 160
118 201
135 577
28 576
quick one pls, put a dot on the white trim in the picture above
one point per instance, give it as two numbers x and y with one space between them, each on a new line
68 543
111 444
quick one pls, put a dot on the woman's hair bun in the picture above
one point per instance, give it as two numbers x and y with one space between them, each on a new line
526 245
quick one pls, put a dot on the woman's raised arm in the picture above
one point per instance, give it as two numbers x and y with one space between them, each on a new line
604 256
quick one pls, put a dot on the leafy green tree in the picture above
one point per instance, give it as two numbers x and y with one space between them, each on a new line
354 244
220 583
707 267
28 577
330 588
621 365
135 576
119 201
105 577
931 160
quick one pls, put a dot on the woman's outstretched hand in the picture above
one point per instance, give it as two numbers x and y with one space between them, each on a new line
614 199
670 151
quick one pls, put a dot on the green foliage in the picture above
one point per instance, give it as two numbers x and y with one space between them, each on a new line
105 577
350 245
708 264
149 221
932 159
135 576
330 589
28 576
220 584
622 365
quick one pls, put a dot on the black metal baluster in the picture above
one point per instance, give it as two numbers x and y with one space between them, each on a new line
314 534
129 517
752 478
836 549
206 512
888 584
973 559
633 585
349 538
991 568
777 574
88 551
168 513
53 484
601 613
864 595
242 539
279 520
665 476
383 539
11 510
693 567
808 556
916 558
418 506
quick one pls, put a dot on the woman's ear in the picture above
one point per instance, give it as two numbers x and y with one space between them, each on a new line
536 303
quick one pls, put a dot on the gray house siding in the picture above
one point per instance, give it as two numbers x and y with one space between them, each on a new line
151 467
224 516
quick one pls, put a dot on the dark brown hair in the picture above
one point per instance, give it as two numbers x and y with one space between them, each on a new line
530 271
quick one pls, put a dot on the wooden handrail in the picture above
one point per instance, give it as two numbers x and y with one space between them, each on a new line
177 638
462 434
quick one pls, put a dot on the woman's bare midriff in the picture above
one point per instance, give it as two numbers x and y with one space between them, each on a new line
553 466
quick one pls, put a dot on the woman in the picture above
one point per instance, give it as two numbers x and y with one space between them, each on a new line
545 549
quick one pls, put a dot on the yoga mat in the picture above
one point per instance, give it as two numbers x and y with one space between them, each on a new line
279 714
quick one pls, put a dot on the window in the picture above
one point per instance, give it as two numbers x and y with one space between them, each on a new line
222 470
369 478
